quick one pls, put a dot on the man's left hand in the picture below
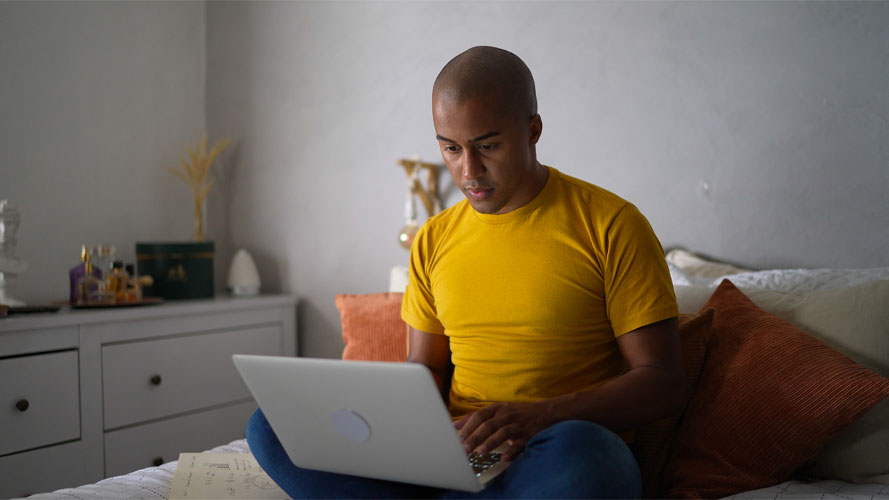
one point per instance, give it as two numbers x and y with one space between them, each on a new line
512 423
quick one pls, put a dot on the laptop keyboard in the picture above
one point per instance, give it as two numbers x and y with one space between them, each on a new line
481 462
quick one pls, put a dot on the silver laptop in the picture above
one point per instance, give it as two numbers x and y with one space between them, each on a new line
369 419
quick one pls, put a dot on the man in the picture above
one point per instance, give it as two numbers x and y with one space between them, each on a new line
541 304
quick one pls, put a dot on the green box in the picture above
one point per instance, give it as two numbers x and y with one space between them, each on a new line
179 270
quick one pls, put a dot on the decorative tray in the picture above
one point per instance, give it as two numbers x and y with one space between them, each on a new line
32 309
147 301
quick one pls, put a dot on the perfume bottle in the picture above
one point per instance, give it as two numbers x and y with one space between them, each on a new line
133 289
116 282
102 256
76 273
89 285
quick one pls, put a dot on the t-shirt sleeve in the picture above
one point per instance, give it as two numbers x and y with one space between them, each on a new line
638 287
418 306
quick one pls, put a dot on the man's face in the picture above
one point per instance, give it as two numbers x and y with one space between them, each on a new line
489 152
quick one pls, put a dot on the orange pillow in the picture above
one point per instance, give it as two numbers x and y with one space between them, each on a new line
769 397
372 327
654 442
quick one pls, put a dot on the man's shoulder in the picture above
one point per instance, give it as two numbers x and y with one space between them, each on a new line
575 190
436 226
447 216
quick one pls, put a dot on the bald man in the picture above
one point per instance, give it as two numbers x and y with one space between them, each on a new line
541 304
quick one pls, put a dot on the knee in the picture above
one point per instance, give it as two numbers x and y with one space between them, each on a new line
574 433
598 462
256 425
260 436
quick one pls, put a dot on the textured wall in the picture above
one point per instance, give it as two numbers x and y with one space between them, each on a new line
96 98
752 131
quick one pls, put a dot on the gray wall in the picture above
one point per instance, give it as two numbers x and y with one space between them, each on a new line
755 132
96 99
779 109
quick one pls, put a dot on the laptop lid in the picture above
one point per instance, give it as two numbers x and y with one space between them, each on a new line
370 419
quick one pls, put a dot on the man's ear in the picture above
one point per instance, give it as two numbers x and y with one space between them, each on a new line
535 127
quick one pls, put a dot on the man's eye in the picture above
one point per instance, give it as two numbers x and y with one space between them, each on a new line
487 147
451 149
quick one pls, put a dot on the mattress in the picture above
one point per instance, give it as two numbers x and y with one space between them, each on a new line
153 483
824 490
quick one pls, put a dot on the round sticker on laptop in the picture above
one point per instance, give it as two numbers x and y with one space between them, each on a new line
351 425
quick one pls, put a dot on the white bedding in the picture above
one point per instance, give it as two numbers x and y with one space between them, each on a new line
824 490
151 483
788 280
154 483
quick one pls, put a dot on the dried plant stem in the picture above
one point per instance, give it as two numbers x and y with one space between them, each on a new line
195 172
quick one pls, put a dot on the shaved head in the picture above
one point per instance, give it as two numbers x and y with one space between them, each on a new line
485 72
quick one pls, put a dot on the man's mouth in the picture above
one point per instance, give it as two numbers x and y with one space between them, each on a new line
479 193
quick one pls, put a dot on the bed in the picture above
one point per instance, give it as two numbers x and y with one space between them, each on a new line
844 308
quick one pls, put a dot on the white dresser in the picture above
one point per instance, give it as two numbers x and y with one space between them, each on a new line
87 394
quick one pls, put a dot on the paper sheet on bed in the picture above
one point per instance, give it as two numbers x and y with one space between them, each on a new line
222 475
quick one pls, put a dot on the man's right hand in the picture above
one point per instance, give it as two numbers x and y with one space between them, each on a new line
509 424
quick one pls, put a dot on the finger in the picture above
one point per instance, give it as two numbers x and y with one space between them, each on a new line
515 448
460 423
467 426
471 421
497 438
482 432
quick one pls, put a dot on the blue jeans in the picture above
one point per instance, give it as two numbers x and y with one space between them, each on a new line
572 459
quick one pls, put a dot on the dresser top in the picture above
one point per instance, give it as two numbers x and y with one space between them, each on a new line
68 316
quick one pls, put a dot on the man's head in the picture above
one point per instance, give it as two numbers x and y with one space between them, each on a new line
484 108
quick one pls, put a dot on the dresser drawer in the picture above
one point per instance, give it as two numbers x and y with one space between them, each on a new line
40 401
145 445
156 378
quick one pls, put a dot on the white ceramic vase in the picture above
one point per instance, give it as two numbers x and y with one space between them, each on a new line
243 278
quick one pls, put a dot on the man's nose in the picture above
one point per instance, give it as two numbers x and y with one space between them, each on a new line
472 164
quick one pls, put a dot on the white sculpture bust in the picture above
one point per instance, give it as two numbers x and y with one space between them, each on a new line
10 265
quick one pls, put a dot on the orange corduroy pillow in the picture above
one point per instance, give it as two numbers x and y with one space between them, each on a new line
769 397
372 326
654 442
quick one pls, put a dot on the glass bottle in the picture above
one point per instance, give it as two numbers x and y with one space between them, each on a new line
102 258
76 273
116 281
88 285
133 290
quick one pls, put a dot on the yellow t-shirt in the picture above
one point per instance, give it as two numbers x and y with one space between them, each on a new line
533 300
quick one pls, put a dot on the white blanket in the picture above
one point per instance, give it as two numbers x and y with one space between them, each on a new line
152 483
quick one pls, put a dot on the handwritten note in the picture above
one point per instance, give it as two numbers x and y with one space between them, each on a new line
222 475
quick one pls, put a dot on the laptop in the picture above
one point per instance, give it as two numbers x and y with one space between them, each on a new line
362 418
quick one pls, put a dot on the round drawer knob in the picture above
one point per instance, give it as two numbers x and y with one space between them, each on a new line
22 405
156 380
158 461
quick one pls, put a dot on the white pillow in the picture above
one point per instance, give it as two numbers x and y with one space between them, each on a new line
692 293
805 280
858 453
691 298
700 268
853 320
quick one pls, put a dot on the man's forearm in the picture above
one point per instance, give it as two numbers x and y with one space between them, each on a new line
641 395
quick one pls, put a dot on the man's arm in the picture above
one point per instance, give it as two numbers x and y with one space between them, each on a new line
653 388
433 351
